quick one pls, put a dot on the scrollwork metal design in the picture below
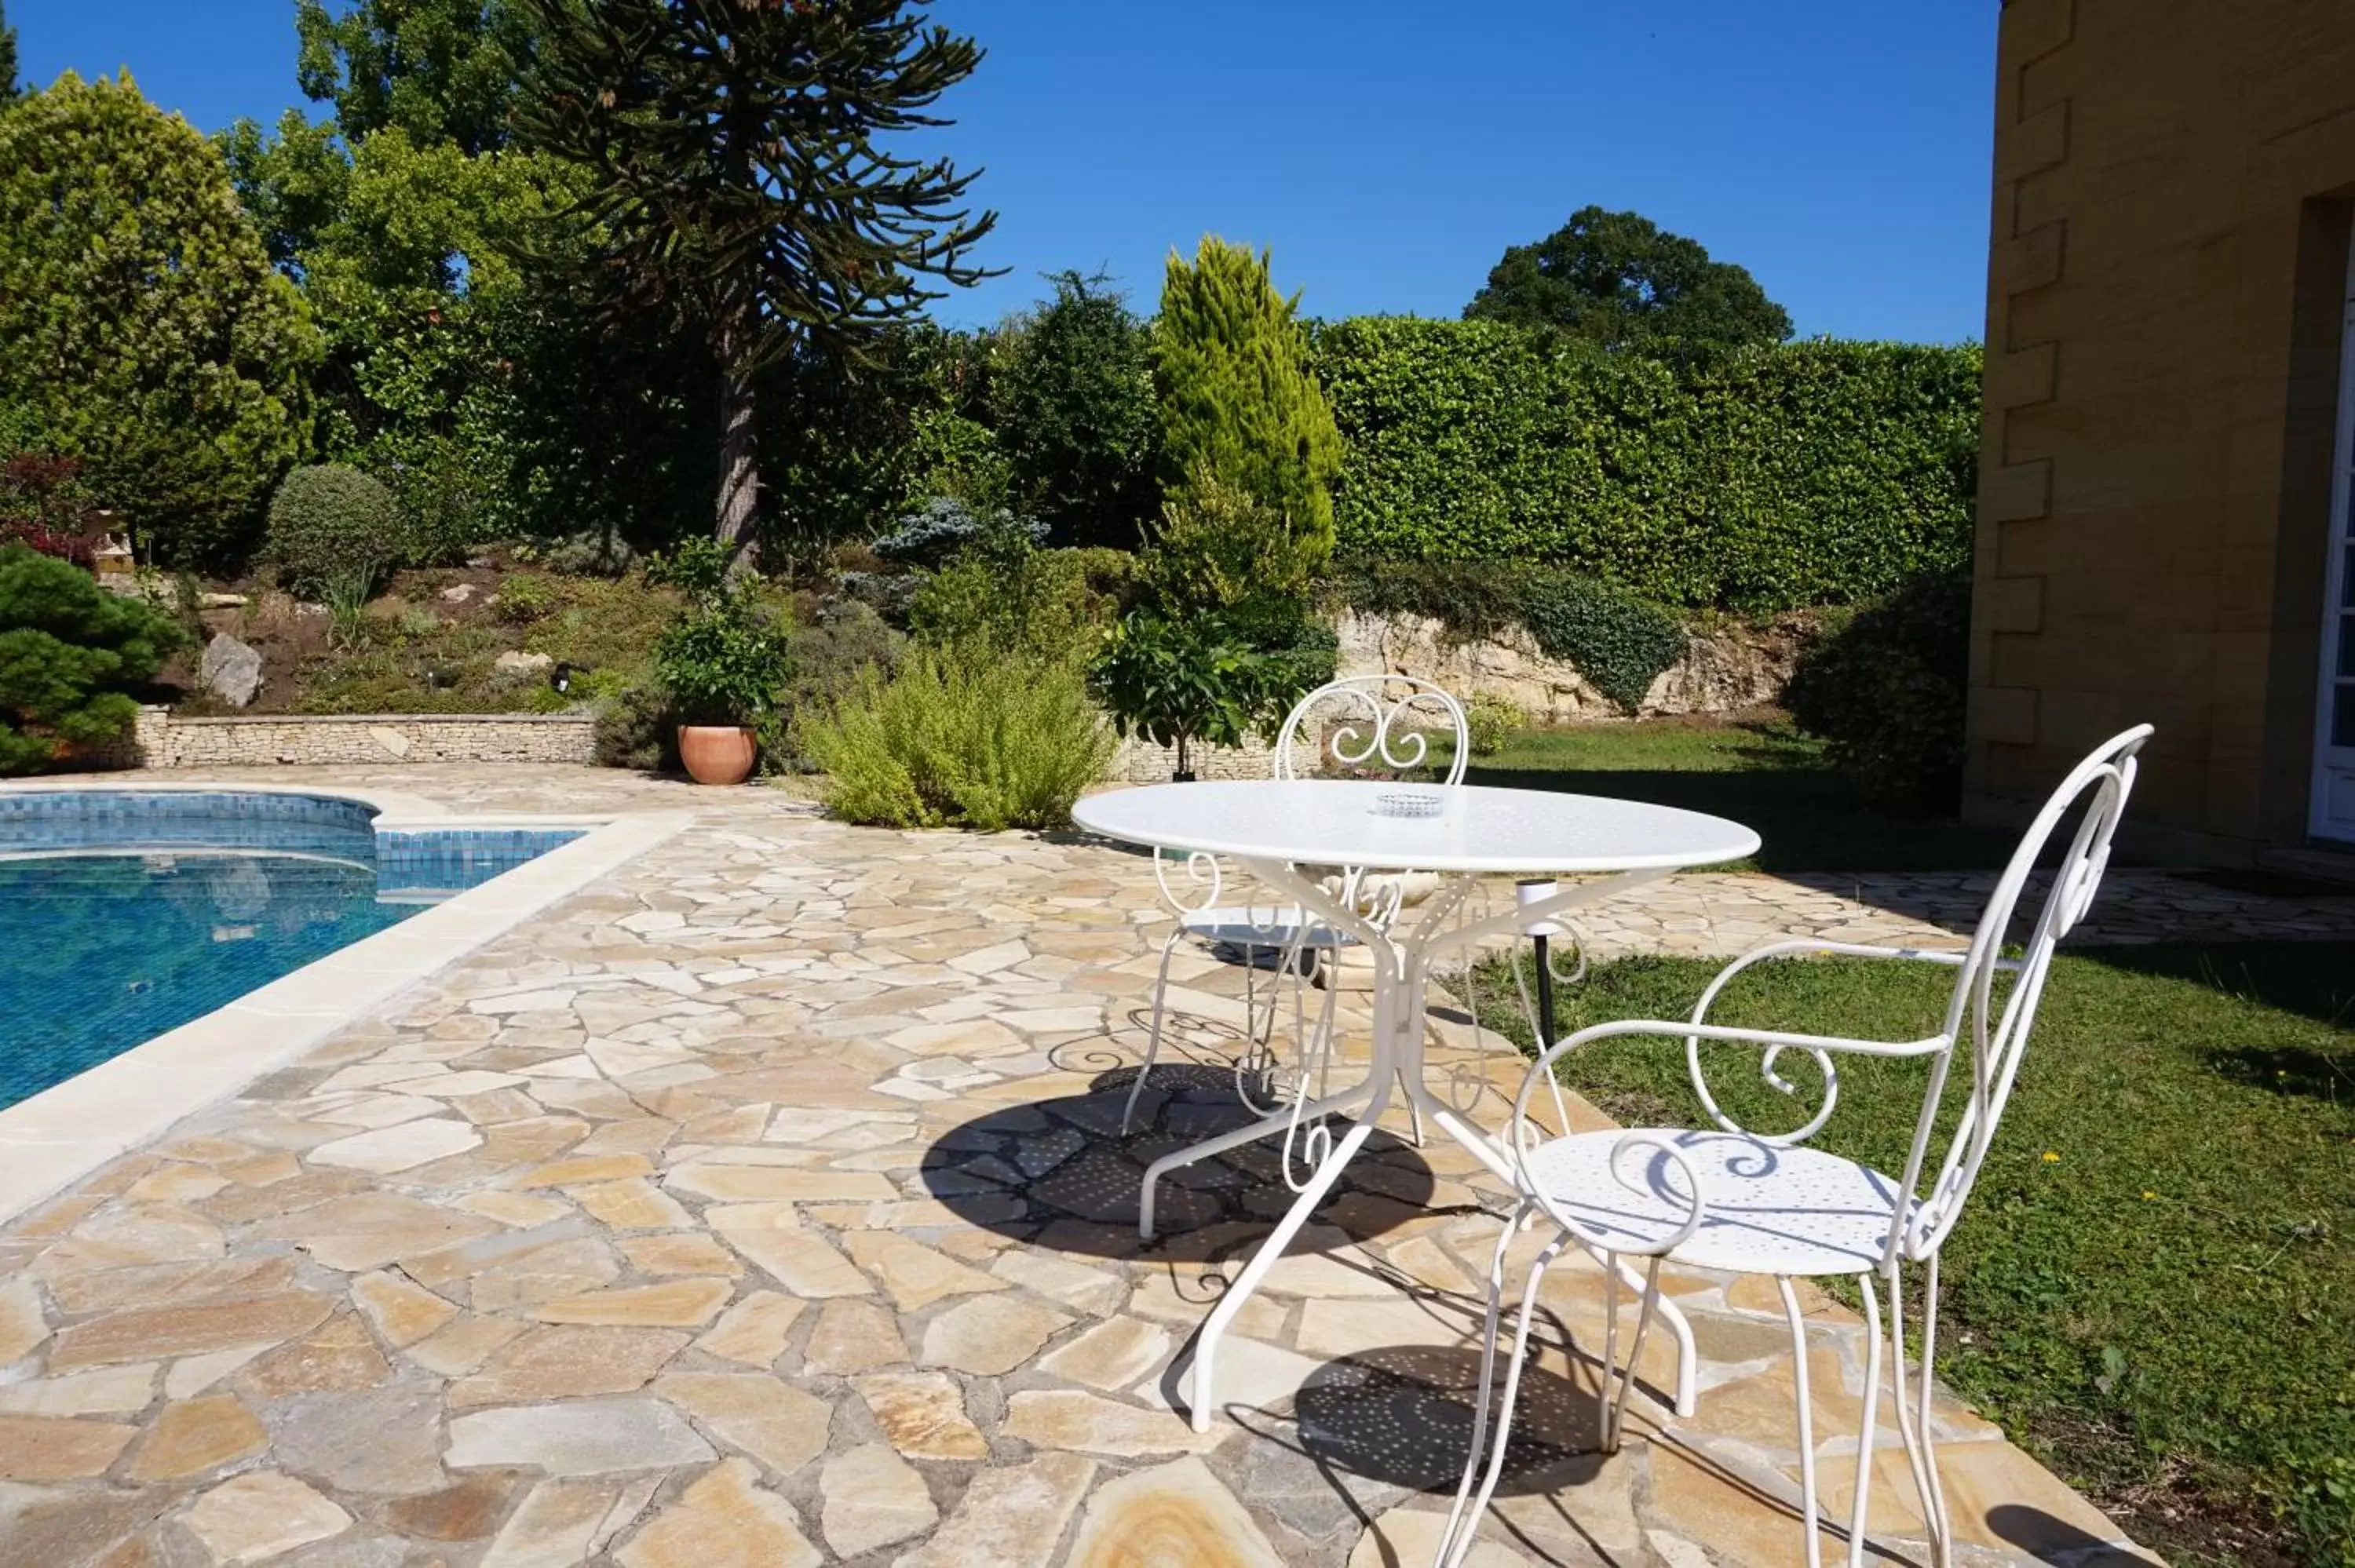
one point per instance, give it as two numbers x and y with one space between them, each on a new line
1376 722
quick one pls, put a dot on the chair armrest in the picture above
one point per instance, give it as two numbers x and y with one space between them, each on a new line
1776 1041
1952 958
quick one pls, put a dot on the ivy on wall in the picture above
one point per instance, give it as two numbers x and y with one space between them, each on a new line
1759 479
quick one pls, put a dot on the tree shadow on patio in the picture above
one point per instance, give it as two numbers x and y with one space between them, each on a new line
1061 1171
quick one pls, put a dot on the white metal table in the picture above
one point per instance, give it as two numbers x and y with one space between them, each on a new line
1279 829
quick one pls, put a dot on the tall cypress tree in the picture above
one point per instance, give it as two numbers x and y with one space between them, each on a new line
745 180
1240 408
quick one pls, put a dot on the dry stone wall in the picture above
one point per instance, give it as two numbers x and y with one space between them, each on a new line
1139 761
161 739
1725 668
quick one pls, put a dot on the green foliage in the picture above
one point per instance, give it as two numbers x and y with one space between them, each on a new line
454 370
833 653
147 334
1618 642
524 599
419 658
1198 680
1489 722
1886 687
71 655
1763 479
1027 602
1239 403
8 89
1072 403
722 662
1221 548
332 530
291 182
961 736
440 70
634 728
2165 1312
1618 280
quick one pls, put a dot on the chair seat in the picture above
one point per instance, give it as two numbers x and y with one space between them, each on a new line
1772 1209
1241 926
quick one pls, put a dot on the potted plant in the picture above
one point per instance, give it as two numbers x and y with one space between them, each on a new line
720 664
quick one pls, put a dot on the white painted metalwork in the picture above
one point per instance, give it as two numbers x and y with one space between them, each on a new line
1374 721
1765 1204
1278 831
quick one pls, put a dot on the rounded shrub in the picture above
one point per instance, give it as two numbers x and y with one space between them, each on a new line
1886 687
333 529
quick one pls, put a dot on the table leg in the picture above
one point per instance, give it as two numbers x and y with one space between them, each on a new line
1381 1072
1250 1133
1214 1328
1401 968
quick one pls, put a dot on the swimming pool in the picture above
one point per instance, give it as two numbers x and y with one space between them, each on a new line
125 914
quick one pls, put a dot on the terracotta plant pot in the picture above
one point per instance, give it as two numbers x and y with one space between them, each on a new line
716 753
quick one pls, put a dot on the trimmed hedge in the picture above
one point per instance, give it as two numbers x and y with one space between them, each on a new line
1815 472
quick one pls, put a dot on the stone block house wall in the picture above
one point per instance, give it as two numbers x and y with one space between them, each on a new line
2173 185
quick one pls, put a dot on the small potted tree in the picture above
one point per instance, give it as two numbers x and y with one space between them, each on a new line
1180 683
720 665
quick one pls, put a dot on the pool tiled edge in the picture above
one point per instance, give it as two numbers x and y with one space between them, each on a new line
55 1137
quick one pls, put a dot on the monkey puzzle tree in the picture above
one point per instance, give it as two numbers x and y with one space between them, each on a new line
744 178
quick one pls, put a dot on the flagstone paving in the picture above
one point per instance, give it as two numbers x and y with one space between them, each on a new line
766 1203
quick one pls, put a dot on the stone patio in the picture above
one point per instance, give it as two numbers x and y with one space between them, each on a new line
765 1205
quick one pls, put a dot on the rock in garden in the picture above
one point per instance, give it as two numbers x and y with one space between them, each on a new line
458 593
515 664
230 670
222 601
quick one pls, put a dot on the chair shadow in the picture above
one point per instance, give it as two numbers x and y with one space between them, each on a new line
2050 1539
1402 1415
1061 1173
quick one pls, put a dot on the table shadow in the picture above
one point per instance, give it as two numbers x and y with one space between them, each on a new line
1060 1171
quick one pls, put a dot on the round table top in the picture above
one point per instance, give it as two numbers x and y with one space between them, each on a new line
1329 822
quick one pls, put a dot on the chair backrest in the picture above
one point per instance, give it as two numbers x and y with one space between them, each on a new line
1992 1021
1374 721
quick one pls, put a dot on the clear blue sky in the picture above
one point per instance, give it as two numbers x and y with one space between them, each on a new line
1388 152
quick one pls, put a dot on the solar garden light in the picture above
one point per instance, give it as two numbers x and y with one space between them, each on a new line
1535 891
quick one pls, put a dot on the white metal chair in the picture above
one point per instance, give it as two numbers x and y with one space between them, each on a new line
1729 1199
1371 721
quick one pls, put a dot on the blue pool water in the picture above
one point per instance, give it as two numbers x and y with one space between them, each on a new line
125 914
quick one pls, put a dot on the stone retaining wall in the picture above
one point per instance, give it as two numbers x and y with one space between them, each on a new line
1726 668
163 740
1139 761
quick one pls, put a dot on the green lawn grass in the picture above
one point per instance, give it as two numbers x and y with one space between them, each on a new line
1763 774
2154 1286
